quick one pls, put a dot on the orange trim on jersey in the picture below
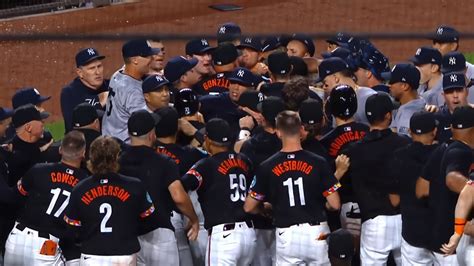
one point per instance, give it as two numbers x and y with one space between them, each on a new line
148 212
21 189
72 221
256 196
197 175
332 189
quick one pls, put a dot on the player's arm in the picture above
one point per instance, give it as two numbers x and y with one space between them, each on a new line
455 181
330 186
342 165
256 195
8 195
184 204
422 187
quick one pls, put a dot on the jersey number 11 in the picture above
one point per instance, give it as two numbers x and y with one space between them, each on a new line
298 182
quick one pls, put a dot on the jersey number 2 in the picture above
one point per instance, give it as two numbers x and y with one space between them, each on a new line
107 209
298 182
56 192
238 186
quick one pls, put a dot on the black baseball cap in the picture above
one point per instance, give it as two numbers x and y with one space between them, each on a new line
243 76
330 66
178 66
299 66
218 130
28 95
426 55
341 245
270 107
186 102
154 83
228 32
406 73
141 122
377 105
250 99
5 113
339 38
87 55
463 117
84 114
254 43
453 62
271 43
198 46
279 63
225 53
138 47
311 111
423 122
168 122
27 113
453 81
445 34
303 38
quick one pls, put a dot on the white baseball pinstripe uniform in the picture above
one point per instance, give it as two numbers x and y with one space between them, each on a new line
415 256
158 247
198 247
265 251
184 252
441 260
94 260
353 225
465 250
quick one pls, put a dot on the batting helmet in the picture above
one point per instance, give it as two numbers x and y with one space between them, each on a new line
186 102
342 101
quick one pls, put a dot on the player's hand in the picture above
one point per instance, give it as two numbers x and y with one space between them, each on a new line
193 230
187 128
7 147
46 146
260 68
195 117
450 247
267 210
431 108
246 122
257 116
342 165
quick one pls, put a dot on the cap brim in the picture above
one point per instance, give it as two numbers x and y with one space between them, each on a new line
244 45
44 115
207 50
415 61
241 82
386 75
43 98
98 57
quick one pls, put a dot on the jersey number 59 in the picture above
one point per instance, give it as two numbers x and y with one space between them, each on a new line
238 187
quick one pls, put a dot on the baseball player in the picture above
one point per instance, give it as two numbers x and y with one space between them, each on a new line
407 165
251 49
221 183
181 73
404 79
298 192
156 91
200 49
158 61
85 119
374 188
300 45
311 114
229 32
160 175
125 89
106 209
47 188
456 62
280 68
338 40
89 85
370 68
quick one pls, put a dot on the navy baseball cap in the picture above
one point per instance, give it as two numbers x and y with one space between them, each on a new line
218 130
374 61
339 38
228 32
445 34
463 117
345 55
141 122
406 73
330 66
341 245
270 107
377 105
243 76
5 113
178 66
27 113
426 55
271 43
254 43
299 66
250 99
84 114
311 111
138 47
186 102
28 95
303 38
279 63
454 80
86 56
168 122
453 62
198 47
423 122
154 83
225 53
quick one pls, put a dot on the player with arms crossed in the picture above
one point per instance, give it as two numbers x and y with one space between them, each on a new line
294 181
107 207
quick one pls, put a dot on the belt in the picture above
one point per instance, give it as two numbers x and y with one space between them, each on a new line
22 227
231 226
312 223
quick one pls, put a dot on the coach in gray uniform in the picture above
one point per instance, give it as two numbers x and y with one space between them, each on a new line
125 89
404 80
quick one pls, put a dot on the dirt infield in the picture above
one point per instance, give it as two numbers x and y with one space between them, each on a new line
49 65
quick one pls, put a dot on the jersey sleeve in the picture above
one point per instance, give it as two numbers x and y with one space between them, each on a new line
329 182
25 183
193 180
134 102
145 203
259 186
172 172
457 160
72 214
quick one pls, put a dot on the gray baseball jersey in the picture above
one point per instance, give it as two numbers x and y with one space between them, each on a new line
125 97
434 95
401 118
470 75
362 94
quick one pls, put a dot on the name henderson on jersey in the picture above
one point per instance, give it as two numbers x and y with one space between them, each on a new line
105 190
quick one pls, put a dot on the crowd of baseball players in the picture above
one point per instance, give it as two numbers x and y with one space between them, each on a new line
248 151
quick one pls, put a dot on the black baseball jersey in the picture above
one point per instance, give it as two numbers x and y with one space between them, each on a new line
47 188
157 173
456 157
183 156
369 169
221 182
337 139
24 156
315 146
295 183
107 208
217 83
407 165
221 106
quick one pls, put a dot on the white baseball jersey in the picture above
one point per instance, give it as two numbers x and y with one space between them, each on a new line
158 247
362 94
401 118
416 256
125 97
433 96
470 75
